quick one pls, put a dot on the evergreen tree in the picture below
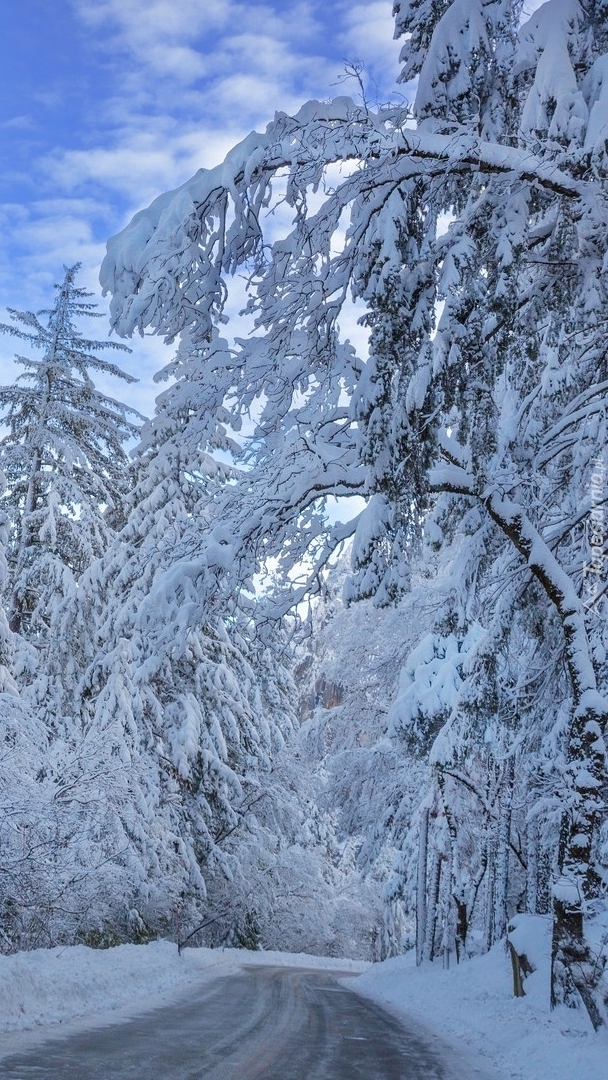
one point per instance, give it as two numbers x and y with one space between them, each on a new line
63 457
67 474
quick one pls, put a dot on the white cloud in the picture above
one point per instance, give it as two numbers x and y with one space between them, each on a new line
140 166
20 122
368 37
191 40
141 16
369 29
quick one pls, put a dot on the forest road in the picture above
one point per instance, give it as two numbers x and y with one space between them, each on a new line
262 1024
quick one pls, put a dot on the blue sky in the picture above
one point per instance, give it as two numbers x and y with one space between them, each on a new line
106 103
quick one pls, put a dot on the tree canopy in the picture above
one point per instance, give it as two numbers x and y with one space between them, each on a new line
471 227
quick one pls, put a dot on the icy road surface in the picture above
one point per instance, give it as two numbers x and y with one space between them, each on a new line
262 1024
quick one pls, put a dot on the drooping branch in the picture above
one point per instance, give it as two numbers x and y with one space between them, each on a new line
165 268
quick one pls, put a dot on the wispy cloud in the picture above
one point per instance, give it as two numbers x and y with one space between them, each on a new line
187 81
192 41
367 36
24 122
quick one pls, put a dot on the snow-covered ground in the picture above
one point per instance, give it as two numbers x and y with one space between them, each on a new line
470 1006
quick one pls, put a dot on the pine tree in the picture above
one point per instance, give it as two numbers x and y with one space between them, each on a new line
67 474
63 456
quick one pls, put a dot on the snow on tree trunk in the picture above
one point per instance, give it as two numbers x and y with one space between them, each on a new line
490 904
435 876
586 770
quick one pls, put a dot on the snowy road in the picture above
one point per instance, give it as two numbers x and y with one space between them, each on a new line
263 1024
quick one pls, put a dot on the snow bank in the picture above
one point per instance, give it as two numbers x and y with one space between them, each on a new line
472 1006
55 986
52 986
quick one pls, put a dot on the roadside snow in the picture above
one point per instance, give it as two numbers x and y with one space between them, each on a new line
472 1006
56 986
53 986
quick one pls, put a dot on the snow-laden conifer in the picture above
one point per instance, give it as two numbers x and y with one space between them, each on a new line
63 455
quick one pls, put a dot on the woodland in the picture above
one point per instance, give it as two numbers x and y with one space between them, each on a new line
315 658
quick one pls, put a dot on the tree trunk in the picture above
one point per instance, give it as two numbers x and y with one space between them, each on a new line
17 600
501 888
574 968
433 906
462 927
456 916
532 867
476 885
586 772
421 906
585 776
489 912
518 982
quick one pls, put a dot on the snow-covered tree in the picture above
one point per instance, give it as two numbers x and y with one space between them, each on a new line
474 232
63 456
62 870
192 701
